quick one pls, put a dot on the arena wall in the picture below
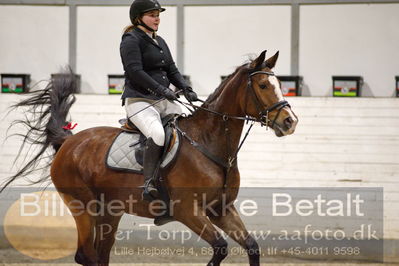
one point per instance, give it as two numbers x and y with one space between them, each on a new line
347 39
34 40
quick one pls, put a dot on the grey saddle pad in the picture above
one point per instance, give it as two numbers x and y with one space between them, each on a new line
121 155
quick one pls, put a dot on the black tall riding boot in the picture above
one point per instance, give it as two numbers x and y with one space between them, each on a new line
152 157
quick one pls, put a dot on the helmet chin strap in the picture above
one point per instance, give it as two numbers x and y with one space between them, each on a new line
141 23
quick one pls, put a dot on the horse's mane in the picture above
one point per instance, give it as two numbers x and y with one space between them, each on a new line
222 85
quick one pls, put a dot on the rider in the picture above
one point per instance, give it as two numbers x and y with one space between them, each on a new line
149 70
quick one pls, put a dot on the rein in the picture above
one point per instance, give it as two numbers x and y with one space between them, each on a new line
224 116
263 113
263 120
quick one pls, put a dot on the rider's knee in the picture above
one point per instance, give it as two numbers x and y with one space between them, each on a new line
158 135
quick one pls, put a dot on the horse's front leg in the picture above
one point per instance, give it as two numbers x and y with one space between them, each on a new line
202 226
231 223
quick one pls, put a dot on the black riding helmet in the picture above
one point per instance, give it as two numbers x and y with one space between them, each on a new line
139 7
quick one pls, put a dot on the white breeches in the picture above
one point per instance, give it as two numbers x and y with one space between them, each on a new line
148 121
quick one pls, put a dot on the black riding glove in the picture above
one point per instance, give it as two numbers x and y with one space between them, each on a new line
190 95
169 94
165 92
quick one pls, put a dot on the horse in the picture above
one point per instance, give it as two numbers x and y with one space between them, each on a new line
251 93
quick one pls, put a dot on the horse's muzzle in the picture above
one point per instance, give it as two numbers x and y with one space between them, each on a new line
285 123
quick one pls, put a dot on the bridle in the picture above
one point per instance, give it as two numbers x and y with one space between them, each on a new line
263 119
264 112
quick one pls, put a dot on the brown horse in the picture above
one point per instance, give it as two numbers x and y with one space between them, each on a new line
79 173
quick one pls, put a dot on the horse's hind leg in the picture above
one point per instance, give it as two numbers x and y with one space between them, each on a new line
202 226
106 226
231 223
85 224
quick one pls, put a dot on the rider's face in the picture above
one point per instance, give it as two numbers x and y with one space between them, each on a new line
151 19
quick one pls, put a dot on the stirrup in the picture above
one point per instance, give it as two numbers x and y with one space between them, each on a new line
148 196
150 192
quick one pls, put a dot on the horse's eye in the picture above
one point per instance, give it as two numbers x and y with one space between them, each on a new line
262 86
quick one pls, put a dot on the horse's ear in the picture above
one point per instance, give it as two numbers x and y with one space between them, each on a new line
271 62
259 61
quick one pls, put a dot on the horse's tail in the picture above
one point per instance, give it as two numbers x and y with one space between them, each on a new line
48 110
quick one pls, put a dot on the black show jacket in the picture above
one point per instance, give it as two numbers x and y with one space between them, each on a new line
149 67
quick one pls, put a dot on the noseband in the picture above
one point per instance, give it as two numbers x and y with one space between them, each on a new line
264 112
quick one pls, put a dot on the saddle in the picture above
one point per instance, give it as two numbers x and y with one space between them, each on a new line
126 153
170 136
127 150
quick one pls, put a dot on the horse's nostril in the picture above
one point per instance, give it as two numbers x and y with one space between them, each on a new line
288 122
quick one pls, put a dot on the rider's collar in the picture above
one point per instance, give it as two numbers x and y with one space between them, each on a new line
143 32
150 32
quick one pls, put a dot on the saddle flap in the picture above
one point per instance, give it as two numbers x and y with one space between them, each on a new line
126 152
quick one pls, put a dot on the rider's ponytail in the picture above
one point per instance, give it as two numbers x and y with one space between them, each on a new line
128 28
